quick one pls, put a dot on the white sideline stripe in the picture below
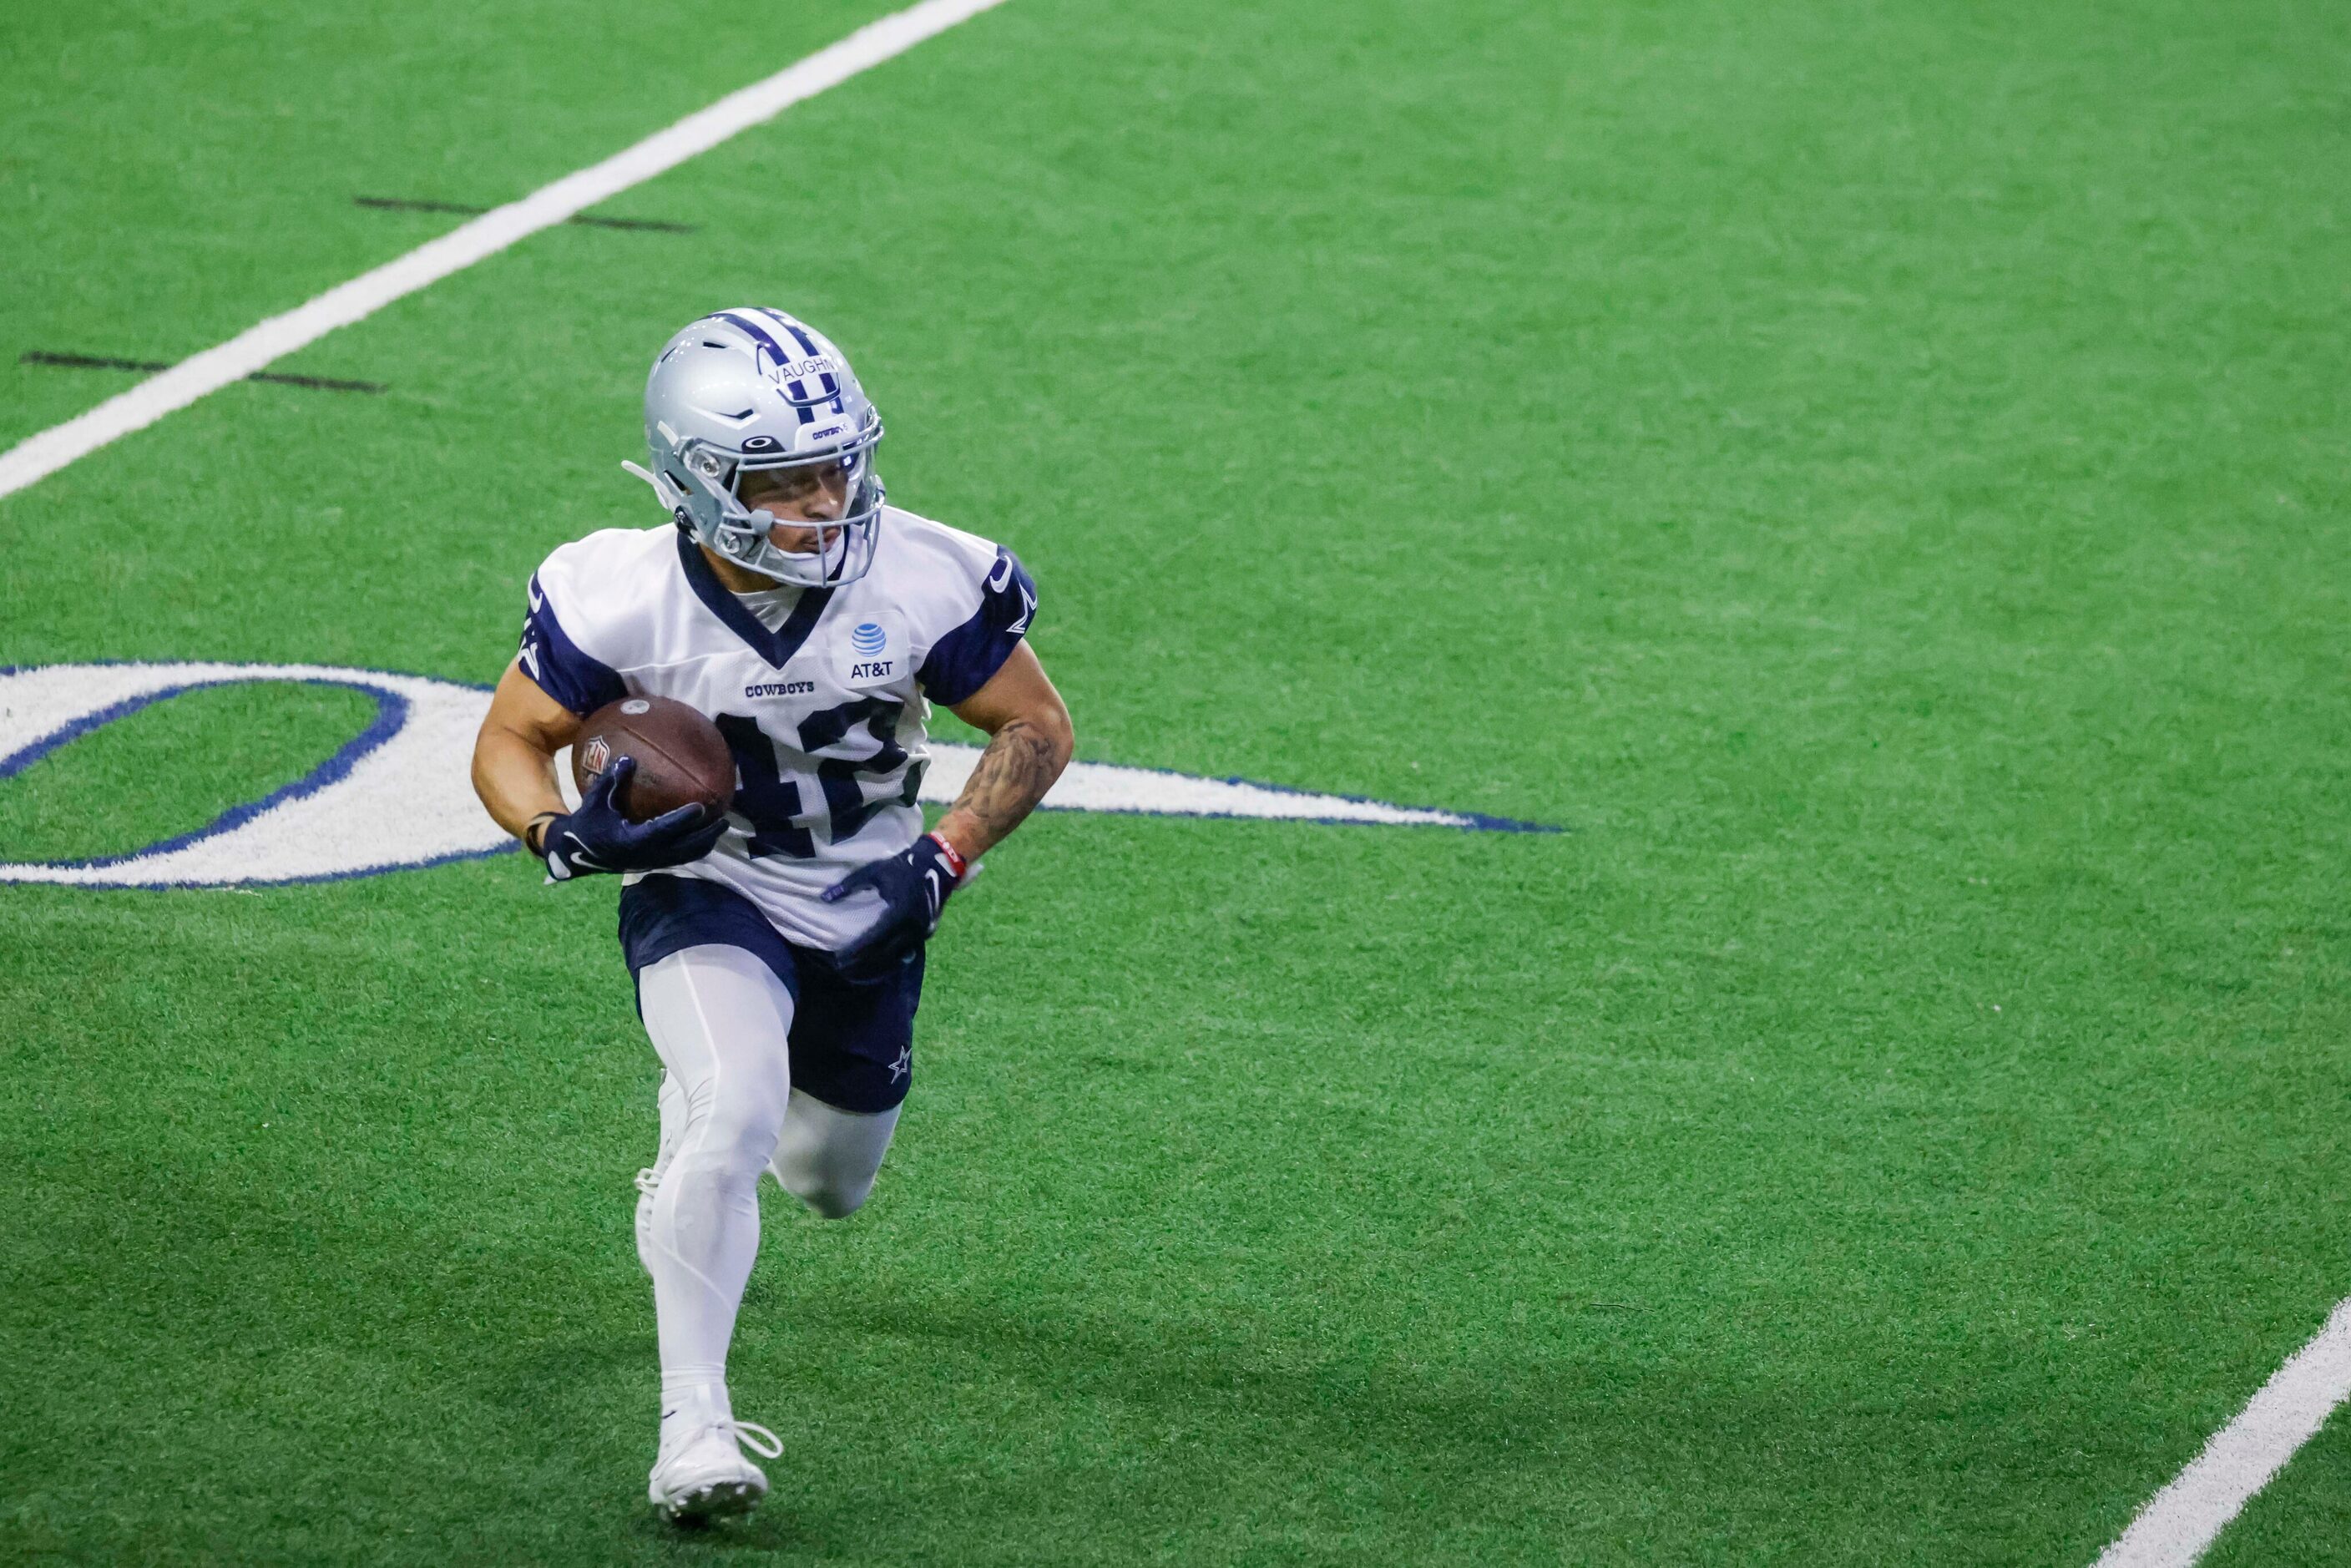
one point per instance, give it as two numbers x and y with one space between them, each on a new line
37 456
2181 1522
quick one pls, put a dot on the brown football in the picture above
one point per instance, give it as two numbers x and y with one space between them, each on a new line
681 756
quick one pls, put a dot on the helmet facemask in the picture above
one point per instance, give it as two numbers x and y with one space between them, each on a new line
828 505
757 427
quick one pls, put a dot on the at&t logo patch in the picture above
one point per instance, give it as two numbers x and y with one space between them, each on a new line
867 640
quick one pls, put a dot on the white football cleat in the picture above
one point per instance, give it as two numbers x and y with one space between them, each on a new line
705 1475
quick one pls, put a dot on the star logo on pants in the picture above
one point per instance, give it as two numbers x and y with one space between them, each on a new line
903 1065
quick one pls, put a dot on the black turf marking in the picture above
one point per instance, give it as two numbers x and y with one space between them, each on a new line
660 226
322 384
404 204
399 204
89 361
106 362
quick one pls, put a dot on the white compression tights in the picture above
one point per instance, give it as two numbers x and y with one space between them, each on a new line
719 1018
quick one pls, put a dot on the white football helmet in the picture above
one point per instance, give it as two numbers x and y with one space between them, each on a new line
752 389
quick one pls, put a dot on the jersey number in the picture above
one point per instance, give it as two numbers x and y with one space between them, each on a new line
773 803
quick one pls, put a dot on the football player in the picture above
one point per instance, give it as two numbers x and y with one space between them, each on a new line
776 951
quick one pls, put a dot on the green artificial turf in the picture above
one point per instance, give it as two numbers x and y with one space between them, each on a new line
1872 475
172 768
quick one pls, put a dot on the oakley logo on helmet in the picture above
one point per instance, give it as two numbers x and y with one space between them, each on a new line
759 389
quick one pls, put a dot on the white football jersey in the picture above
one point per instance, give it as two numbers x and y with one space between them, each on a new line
825 703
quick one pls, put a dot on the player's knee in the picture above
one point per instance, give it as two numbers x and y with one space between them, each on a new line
831 1187
829 1158
737 1130
830 1197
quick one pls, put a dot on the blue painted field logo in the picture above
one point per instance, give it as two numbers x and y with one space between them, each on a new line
405 775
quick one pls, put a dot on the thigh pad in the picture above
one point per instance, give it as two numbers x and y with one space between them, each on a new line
851 1041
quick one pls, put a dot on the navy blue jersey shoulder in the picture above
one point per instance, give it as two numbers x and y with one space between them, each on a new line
963 661
550 658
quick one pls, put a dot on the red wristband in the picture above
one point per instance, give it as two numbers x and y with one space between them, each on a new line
955 856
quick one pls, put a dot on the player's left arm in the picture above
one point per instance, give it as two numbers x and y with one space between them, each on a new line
1029 742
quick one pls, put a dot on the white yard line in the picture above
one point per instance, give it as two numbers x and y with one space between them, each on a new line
40 455
2181 1522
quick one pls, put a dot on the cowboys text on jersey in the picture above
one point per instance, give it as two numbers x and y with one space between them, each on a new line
823 694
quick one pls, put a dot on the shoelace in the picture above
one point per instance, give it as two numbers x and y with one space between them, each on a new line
649 1181
750 1432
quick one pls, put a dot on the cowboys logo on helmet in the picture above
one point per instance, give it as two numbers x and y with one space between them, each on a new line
754 392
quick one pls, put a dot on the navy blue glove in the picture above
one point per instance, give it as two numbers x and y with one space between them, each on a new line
913 884
597 838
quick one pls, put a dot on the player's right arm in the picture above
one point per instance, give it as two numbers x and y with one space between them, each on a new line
553 684
513 754
514 773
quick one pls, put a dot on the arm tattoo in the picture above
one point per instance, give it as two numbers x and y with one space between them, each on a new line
1011 777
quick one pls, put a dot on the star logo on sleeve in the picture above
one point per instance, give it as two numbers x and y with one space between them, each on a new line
903 1065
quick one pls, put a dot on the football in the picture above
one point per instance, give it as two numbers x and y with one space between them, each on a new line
681 756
